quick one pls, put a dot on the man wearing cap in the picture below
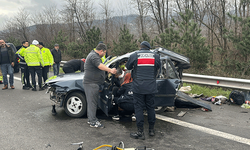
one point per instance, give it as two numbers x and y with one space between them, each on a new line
7 57
57 58
145 65
34 60
25 76
74 65
48 60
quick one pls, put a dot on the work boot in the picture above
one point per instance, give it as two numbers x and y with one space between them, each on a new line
5 87
138 135
34 89
25 88
41 88
151 132
12 87
54 110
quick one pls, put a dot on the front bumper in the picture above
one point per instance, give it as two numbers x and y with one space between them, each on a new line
57 95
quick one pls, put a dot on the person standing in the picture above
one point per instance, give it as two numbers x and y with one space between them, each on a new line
34 60
7 57
57 58
48 60
93 78
145 65
25 76
74 65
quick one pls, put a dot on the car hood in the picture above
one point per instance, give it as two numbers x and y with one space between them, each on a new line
65 77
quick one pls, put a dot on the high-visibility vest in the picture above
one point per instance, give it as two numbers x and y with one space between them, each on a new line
33 56
47 57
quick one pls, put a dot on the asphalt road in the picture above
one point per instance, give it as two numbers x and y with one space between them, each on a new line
27 124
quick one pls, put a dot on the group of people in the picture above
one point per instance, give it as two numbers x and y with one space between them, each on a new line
136 93
140 84
33 59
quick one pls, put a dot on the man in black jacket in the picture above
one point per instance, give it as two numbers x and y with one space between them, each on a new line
57 58
7 58
74 65
145 65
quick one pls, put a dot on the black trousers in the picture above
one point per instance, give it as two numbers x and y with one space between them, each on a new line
33 70
68 70
45 71
25 75
128 108
140 102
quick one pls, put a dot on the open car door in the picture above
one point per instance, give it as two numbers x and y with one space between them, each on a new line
106 98
167 83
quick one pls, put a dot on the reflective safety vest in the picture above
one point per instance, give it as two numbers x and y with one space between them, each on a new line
20 54
103 58
33 56
47 57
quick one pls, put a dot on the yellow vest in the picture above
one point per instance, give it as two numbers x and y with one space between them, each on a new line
47 57
33 56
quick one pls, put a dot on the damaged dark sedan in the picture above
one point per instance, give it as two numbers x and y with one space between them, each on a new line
67 90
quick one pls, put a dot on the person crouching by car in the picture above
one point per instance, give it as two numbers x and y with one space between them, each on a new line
124 99
7 57
74 65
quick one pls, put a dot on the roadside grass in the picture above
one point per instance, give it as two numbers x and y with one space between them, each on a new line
207 91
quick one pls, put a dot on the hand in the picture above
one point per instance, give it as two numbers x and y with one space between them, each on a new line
54 62
113 71
12 64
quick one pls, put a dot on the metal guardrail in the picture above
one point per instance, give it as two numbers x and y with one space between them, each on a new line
233 83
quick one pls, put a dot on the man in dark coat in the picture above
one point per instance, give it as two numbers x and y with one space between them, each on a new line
7 58
57 58
145 65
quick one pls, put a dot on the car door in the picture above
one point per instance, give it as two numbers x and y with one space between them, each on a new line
167 83
105 101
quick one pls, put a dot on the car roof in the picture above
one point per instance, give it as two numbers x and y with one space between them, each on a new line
163 53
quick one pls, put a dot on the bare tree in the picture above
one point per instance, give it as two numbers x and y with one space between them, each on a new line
106 12
83 13
160 11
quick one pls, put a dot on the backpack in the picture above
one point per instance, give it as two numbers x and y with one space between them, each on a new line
237 97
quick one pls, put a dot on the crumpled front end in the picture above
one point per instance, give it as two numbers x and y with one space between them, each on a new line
57 94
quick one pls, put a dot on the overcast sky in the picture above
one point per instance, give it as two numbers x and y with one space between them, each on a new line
8 8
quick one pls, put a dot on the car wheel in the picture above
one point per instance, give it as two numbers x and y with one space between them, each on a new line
75 105
160 109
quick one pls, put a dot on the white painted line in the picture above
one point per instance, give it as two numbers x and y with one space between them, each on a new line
16 78
204 129
19 79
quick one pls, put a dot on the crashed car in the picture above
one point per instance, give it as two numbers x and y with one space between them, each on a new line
67 90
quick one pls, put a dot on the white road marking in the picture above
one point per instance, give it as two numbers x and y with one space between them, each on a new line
19 79
16 78
204 129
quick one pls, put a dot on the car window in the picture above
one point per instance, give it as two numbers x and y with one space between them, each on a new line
171 72
167 71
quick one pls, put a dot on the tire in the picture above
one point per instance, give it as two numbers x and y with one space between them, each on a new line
75 105
160 109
